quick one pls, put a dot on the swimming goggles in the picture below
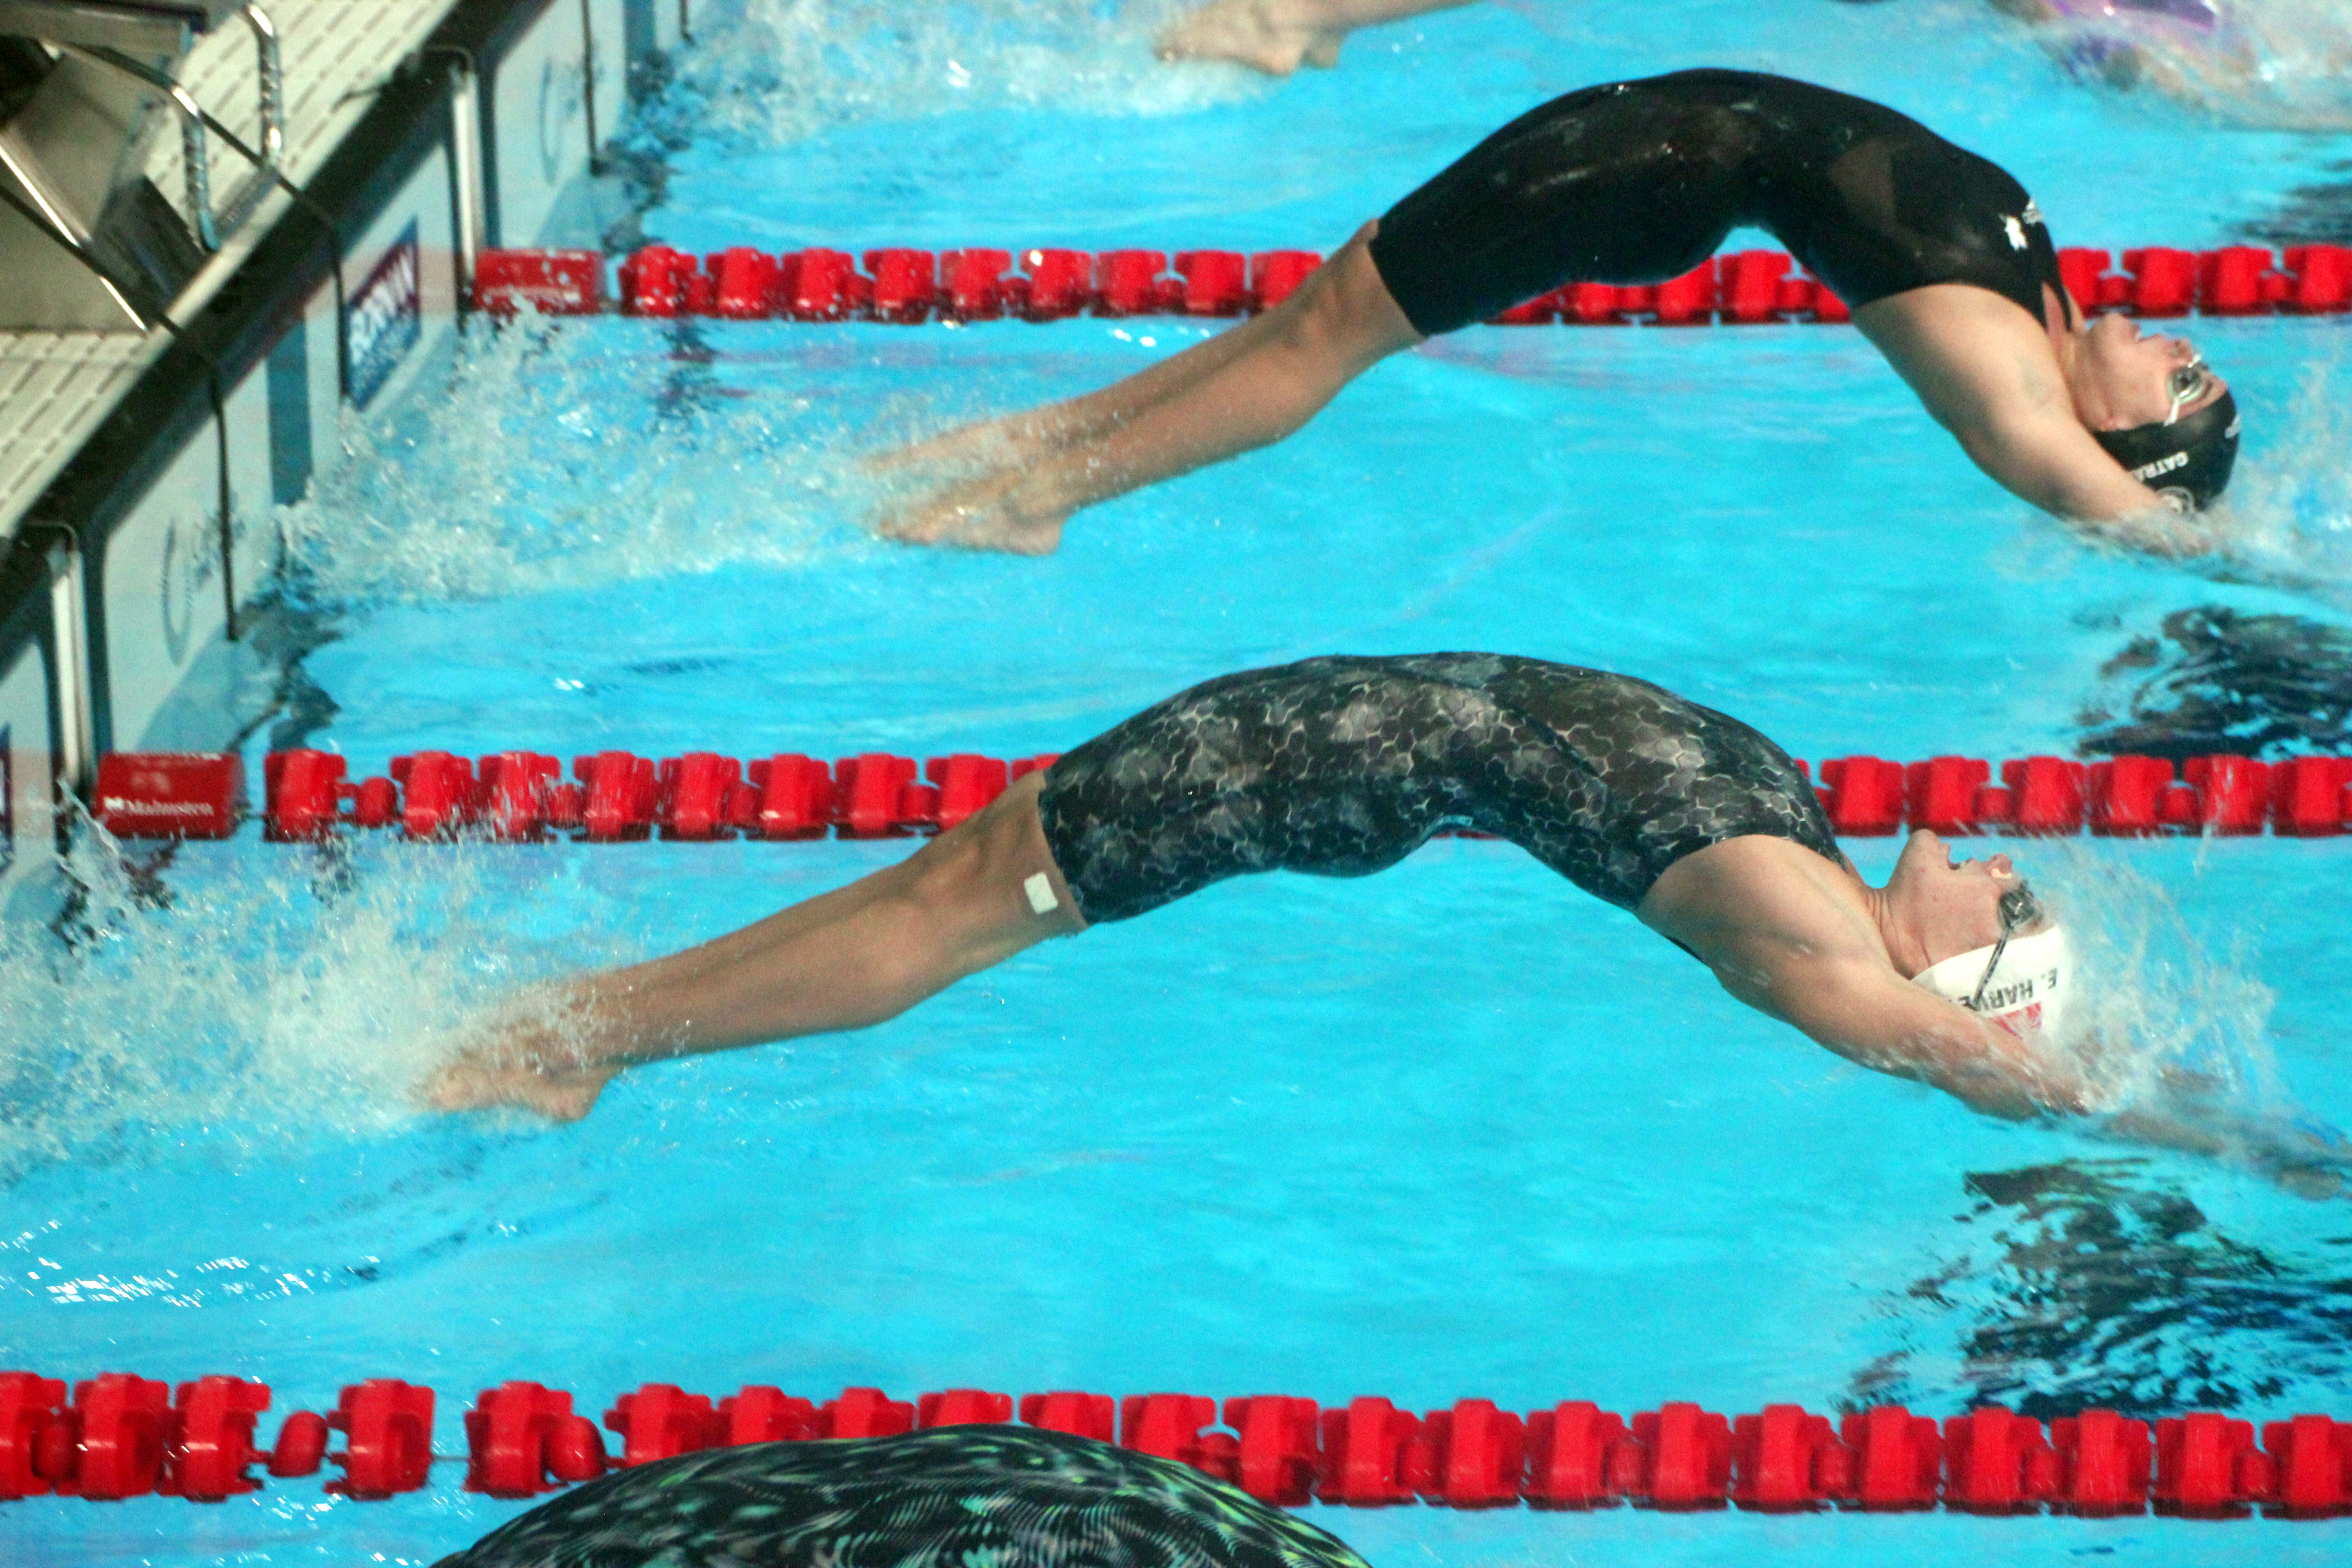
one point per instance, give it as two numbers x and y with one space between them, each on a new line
2187 383
2018 910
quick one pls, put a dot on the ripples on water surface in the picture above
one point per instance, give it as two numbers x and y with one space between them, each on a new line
1454 1131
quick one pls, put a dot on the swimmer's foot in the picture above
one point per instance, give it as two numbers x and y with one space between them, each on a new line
536 1054
1264 35
559 1094
965 447
979 514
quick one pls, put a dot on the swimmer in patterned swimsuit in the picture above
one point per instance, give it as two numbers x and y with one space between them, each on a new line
1943 257
1341 767
953 1496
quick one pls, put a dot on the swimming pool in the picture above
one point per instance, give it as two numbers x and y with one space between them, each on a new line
1456 1130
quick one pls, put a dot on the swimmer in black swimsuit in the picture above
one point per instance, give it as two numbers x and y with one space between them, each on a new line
1942 256
952 1497
1341 767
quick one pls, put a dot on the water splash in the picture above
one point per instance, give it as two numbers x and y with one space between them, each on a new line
257 1001
772 72
2275 65
2288 517
2154 993
2286 65
559 458
2170 1030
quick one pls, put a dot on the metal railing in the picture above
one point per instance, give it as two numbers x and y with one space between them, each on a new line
196 158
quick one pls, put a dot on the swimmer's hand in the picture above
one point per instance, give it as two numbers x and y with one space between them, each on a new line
2168 531
1275 36
2189 1112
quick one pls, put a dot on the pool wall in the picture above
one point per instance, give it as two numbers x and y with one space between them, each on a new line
137 598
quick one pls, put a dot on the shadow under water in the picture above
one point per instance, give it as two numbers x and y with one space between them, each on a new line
2214 680
2088 1291
2316 213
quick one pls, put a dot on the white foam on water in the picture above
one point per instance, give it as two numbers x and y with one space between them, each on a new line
2152 993
561 456
251 1003
772 72
2170 1028
2283 65
2287 515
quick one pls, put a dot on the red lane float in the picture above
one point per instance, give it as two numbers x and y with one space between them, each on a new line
1165 1425
124 1436
387 1425
1578 1456
906 286
1079 1414
121 1436
700 796
523 1439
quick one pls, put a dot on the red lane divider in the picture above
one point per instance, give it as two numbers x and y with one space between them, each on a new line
122 1436
618 797
907 286
521 797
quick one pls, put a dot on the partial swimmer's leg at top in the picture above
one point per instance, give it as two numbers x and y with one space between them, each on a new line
1492 230
1277 36
1247 387
970 899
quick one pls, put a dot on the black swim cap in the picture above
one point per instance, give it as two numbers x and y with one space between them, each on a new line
2192 455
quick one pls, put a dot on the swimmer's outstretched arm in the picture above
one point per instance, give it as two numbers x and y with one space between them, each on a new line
1787 931
1277 36
1988 374
1869 1015
1245 388
845 960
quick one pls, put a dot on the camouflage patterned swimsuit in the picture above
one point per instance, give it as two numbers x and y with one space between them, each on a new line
1343 766
954 1497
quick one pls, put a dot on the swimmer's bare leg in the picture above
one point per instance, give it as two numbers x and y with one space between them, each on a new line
844 960
1277 36
1244 389
1021 437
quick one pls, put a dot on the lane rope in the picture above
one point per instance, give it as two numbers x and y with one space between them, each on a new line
125 1436
618 796
908 287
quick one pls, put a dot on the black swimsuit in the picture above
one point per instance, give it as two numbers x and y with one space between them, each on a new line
1341 767
952 1497
1639 181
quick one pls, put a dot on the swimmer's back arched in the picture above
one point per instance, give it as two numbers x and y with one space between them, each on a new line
1636 181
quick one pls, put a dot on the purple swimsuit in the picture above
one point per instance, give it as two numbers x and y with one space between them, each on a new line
2191 22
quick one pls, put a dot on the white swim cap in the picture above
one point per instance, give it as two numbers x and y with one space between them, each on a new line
2024 991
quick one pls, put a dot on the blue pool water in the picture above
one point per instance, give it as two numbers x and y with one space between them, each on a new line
1456 1130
